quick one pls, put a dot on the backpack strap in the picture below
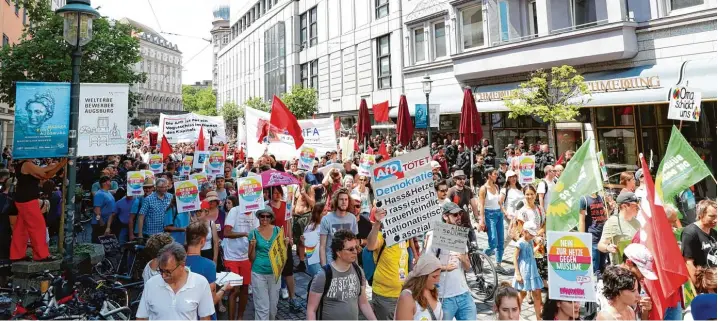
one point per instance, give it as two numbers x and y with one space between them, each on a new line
327 283
357 269
381 250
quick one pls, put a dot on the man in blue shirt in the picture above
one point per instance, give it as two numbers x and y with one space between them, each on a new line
176 222
120 227
196 238
154 208
315 178
148 187
104 204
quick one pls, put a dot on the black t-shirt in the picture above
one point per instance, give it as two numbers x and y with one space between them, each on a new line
463 199
352 172
364 228
699 246
477 175
595 216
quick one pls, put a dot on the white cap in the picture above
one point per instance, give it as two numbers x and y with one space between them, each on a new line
531 228
642 258
435 164
510 173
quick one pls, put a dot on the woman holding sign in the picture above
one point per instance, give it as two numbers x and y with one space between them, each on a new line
265 285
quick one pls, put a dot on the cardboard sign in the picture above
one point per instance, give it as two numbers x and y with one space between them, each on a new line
448 237
684 104
570 268
200 158
278 255
527 169
404 188
249 191
156 165
307 154
187 194
135 180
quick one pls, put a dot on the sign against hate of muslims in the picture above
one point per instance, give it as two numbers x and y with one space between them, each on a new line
135 180
249 191
306 157
187 194
570 269
156 164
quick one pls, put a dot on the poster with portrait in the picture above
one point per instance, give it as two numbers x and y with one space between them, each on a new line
200 157
215 164
156 164
42 119
187 194
102 126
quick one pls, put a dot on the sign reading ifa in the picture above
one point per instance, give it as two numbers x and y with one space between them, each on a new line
395 168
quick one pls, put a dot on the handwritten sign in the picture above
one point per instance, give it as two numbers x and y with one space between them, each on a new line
450 237
570 269
249 191
684 104
187 194
278 255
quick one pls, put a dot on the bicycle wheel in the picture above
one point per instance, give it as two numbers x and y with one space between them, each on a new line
482 278
105 267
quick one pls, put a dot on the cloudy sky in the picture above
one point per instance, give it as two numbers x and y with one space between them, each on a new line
190 18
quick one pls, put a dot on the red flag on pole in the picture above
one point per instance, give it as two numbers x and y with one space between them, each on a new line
165 148
670 267
283 119
381 112
337 123
382 151
356 146
200 141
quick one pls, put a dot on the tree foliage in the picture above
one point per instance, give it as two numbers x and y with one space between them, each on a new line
255 103
552 96
302 102
230 112
43 55
199 101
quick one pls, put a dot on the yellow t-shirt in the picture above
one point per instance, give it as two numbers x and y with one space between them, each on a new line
392 270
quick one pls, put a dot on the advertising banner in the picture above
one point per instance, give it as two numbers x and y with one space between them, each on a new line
570 269
186 166
420 115
156 165
42 119
317 133
249 191
307 155
684 104
185 128
200 157
103 119
187 194
367 161
448 237
527 169
404 188
215 165
278 255
135 180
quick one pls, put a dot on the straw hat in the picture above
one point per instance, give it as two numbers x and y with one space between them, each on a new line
149 182
211 196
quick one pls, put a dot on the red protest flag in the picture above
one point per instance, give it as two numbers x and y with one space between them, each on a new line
200 141
165 148
670 267
383 151
337 123
284 120
356 146
381 112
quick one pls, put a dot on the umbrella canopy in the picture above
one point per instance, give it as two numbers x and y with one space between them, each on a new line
470 132
274 177
364 123
404 127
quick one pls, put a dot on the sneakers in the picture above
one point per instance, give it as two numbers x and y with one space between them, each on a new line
285 294
294 306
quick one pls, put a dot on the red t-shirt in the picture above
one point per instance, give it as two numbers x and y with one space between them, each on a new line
279 216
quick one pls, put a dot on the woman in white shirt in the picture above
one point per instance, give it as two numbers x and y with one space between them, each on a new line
362 189
511 195
152 247
419 299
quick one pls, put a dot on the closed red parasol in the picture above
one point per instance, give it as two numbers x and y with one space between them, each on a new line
404 126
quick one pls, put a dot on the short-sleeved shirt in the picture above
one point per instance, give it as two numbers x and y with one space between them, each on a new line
236 249
177 219
595 215
106 202
280 219
392 269
154 210
96 186
699 246
341 302
619 231
204 267
122 208
160 302
261 264
545 187
331 223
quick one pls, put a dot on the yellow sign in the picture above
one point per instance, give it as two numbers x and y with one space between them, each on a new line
278 255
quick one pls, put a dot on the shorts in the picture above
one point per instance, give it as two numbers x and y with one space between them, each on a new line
300 223
288 269
243 268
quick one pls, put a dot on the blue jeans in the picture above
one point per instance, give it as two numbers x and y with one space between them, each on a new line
495 231
599 258
461 307
313 269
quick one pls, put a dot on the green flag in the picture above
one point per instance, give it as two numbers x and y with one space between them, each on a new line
580 177
680 168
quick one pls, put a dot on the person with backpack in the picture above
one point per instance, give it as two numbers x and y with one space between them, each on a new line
545 186
337 292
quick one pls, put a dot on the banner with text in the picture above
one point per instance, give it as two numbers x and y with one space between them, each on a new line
448 237
103 119
184 128
318 133
570 269
187 193
135 180
215 165
404 188
684 104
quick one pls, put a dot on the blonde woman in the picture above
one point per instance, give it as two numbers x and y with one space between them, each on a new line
419 299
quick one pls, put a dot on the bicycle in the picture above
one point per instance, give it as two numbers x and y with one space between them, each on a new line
484 282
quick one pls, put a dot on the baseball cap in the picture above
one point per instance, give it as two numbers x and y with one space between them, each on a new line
435 164
642 258
703 307
458 173
531 228
626 197
451 208
510 173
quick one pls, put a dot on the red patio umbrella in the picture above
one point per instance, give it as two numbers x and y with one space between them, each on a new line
364 123
404 127
470 132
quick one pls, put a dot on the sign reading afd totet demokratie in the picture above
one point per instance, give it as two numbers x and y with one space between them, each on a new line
404 188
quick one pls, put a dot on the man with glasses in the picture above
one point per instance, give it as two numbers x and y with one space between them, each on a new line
619 230
338 291
363 223
442 191
154 207
247 167
176 293
466 199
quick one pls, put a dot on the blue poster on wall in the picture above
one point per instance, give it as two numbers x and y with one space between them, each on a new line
42 119
420 115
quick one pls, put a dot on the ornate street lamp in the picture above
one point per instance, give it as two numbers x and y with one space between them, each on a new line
77 32
426 84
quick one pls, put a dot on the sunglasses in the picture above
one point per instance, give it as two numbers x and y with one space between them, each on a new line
455 214
357 206
444 190
351 249
265 217
167 272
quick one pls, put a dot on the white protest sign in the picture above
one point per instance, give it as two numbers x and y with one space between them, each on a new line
201 178
250 194
187 194
306 157
184 128
186 166
215 164
156 164
200 158
404 188
448 237
103 119
367 161
135 180
317 133
527 169
684 104
570 268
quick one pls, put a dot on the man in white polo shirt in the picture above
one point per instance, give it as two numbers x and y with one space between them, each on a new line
177 293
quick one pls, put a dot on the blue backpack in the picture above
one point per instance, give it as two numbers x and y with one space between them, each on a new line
368 264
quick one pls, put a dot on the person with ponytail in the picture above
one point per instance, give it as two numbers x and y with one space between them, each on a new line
507 304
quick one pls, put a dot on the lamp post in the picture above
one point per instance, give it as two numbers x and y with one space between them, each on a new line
426 84
77 32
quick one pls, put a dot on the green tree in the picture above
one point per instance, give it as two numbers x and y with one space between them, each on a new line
199 101
43 54
255 103
302 102
552 96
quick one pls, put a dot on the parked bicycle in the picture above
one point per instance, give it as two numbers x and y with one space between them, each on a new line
482 278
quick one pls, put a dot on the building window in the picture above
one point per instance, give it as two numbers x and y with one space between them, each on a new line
5 41
419 53
225 39
383 62
504 21
682 4
533 18
303 21
382 8
305 75
308 28
439 39
313 33
314 78
17 8
472 27
584 12
274 61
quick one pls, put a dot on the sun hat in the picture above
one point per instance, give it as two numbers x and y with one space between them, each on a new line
531 228
642 258
204 205
459 173
149 182
426 265
258 213
435 164
510 173
212 196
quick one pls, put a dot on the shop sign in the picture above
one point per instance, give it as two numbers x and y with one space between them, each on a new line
449 122
684 104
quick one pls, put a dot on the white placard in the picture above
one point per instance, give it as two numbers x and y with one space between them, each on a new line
570 268
184 128
187 195
307 155
103 118
317 133
684 104
367 161
404 188
200 158
448 237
